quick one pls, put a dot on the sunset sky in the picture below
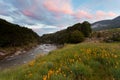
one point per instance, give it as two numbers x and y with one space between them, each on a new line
46 16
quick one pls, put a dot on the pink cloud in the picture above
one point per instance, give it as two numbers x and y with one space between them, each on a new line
31 10
112 14
62 11
82 14
102 15
99 15
27 13
58 6
31 14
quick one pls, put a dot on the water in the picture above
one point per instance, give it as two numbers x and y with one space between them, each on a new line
17 60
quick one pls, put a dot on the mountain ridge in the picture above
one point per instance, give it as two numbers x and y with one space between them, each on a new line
107 24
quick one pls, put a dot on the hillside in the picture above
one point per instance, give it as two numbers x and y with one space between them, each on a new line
108 35
85 61
15 35
73 34
12 35
107 24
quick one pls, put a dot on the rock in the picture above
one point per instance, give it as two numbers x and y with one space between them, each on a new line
23 51
2 54
11 56
18 52
24 62
32 54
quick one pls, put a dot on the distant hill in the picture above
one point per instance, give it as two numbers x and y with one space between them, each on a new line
107 24
73 34
14 35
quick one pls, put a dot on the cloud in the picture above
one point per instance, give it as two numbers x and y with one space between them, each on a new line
37 26
54 14
98 15
83 14
50 12
102 15
43 29
58 6
7 18
30 14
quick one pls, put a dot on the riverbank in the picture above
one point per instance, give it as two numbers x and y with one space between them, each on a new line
11 51
22 58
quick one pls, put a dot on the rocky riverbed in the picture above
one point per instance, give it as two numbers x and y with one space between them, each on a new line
22 57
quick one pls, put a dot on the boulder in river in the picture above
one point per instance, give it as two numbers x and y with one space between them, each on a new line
2 54
18 52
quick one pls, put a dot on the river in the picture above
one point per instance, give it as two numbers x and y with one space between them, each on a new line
16 60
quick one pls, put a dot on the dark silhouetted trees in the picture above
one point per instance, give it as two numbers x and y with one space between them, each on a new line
14 35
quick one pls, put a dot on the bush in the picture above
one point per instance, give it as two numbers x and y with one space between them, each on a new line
76 37
115 37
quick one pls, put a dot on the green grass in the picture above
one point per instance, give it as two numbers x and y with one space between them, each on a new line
85 61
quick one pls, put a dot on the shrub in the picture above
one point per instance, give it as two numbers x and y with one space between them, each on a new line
76 37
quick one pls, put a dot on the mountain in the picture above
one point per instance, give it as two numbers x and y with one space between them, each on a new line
107 24
12 35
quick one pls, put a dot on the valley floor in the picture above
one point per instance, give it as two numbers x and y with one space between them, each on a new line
84 61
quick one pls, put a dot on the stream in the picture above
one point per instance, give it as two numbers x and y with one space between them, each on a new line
16 60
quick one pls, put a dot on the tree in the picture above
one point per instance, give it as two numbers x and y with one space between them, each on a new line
86 28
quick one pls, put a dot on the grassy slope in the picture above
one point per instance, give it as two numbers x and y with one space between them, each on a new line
85 61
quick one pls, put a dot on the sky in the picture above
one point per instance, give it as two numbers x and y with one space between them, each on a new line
47 16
